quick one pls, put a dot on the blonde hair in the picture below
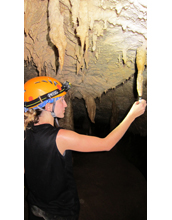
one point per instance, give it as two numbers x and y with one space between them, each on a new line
30 117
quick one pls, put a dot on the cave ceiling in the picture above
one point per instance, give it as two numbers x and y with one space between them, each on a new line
91 44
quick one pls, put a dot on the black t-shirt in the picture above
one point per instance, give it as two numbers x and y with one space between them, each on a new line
49 175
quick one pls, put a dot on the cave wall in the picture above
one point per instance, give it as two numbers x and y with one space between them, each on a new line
93 45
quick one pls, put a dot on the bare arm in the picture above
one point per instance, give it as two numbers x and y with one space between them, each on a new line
70 140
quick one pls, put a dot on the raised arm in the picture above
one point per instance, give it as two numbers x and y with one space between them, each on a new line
70 140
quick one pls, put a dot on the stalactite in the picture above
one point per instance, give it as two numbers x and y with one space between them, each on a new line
91 107
56 33
94 42
75 10
124 56
82 29
86 58
80 18
140 60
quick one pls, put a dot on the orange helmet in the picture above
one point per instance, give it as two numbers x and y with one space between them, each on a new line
40 90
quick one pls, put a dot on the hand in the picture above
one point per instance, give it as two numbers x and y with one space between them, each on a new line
138 108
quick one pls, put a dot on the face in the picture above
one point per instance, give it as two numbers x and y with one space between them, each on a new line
60 107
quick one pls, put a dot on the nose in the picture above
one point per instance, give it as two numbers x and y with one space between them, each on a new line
65 104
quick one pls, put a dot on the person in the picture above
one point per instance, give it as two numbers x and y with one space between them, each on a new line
47 149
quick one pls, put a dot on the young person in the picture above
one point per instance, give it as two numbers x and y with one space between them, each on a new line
47 152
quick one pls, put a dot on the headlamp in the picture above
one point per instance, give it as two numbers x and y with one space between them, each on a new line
66 86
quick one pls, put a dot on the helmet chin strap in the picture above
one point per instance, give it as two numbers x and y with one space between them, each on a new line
53 113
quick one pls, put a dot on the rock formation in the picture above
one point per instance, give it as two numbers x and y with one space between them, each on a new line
93 45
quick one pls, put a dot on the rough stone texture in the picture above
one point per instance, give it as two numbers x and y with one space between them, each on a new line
92 44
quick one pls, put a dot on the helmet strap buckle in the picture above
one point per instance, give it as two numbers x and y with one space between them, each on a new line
53 113
40 98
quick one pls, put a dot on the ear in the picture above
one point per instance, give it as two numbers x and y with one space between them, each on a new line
48 107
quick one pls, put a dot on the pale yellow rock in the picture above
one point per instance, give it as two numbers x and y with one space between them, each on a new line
140 61
56 33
